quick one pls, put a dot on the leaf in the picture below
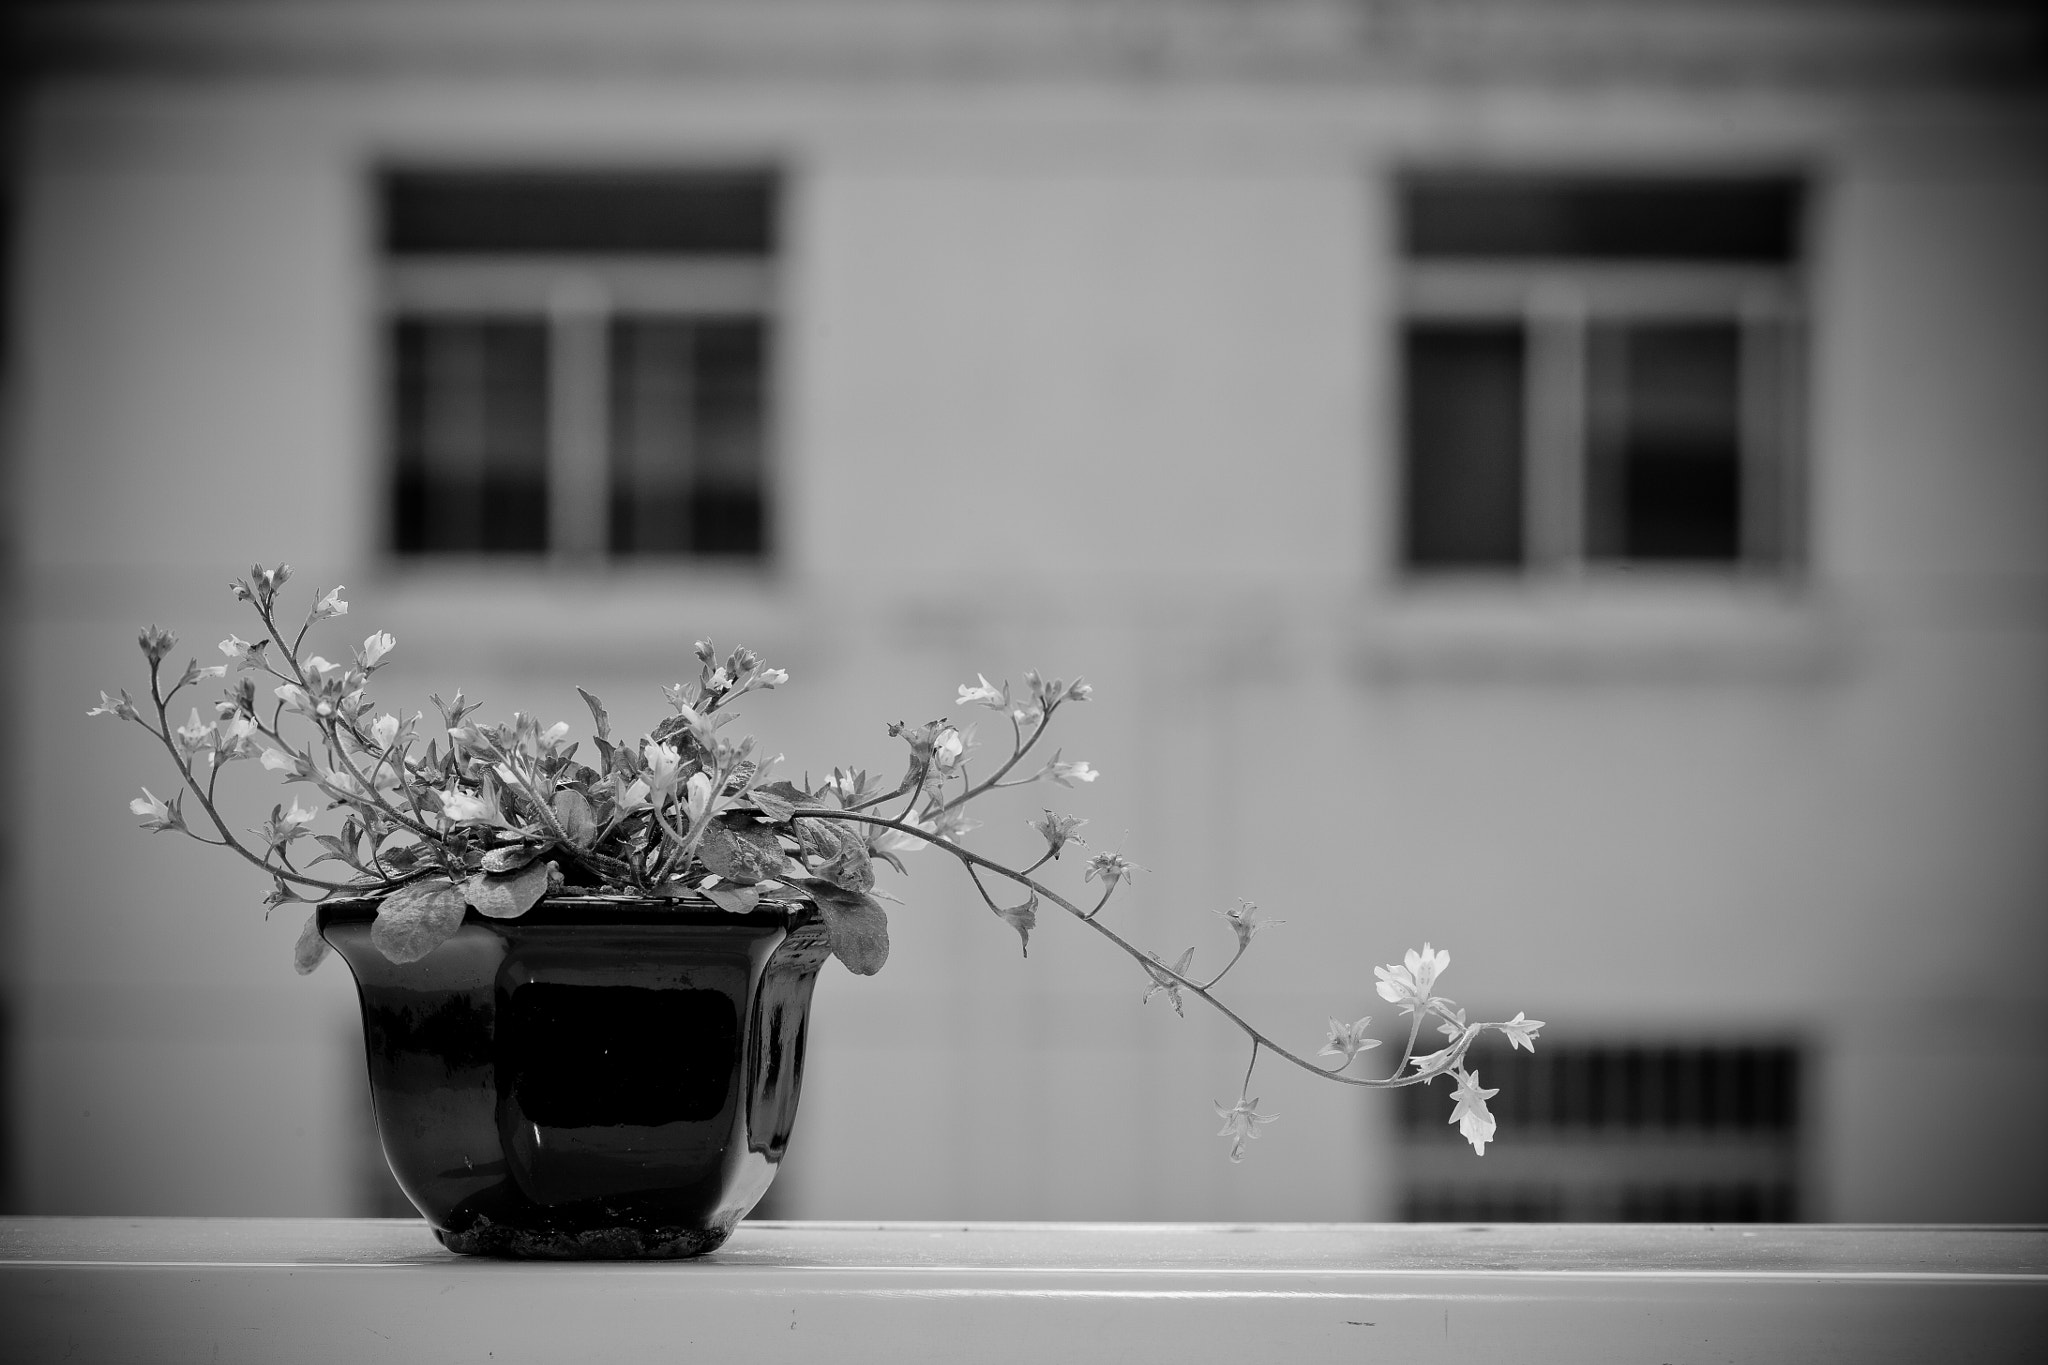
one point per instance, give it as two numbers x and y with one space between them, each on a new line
573 814
817 837
737 899
856 928
416 919
1023 918
598 717
508 895
785 790
403 859
509 859
773 806
740 851
844 854
336 850
311 949
852 869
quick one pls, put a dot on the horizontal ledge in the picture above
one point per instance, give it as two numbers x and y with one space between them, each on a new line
1202 1251
858 1293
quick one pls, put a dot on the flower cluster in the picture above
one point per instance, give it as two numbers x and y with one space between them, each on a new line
437 819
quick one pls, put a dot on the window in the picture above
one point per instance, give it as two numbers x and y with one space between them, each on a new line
1680 1132
579 362
1599 372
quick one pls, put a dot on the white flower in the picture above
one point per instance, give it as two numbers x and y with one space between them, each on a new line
664 766
1447 1058
280 761
1521 1032
1245 918
155 814
635 797
1241 1121
896 841
1348 1040
375 647
195 734
771 677
1056 829
237 738
986 694
298 814
1475 1122
119 706
461 808
1110 866
384 730
1162 982
697 797
330 605
947 750
235 647
1067 774
1409 986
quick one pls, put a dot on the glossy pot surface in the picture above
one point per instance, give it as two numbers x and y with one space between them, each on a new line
600 1077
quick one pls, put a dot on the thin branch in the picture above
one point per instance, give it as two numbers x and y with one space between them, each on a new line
1143 959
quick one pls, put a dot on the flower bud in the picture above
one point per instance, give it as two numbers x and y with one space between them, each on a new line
156 642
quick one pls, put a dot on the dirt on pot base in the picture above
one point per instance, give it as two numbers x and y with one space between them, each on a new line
486 1237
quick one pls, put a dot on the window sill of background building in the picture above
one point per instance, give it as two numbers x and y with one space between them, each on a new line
1614 628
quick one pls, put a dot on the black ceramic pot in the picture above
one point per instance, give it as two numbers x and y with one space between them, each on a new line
600 1077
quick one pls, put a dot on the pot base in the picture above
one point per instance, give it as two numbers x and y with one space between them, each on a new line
485 1237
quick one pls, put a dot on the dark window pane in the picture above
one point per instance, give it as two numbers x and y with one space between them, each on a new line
1664 450
688 437
1603 218
485 212
1463 459
471 418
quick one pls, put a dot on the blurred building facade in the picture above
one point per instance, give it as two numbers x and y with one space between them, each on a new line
1561 481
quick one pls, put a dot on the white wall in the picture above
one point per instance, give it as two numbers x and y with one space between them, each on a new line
1093 380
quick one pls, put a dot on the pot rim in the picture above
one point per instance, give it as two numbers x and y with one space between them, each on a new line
600 911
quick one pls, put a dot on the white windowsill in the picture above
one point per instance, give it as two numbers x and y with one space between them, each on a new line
1623 628
111 1289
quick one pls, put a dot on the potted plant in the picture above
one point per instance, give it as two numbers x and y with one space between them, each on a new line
586 976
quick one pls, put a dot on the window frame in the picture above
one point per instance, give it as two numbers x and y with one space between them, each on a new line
577 296
1555 302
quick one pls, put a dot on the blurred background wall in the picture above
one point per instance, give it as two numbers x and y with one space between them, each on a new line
1565 481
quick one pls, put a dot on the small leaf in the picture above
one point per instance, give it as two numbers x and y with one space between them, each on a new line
773 806
740 851
598 717
855 927
509 859
737 899
818 838
416 919
852 869
508 895
573 814
844 854
311 949
336 850
1023 918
